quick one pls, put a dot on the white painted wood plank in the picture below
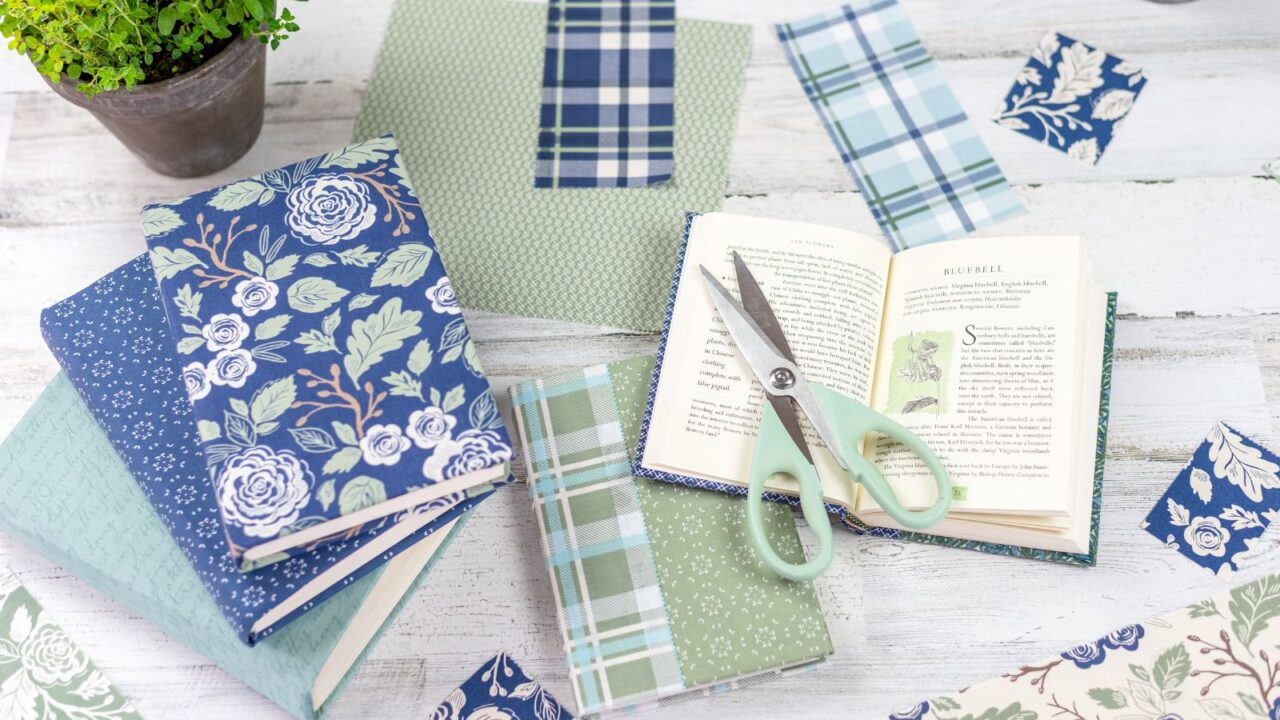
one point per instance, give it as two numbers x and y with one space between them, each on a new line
1196 245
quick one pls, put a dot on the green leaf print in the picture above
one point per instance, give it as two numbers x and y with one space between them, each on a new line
454 398
239 430
271 327
420 358
190 344
342 461
1109 698
361 301
378 334
168 263
282 268
1253 607
326 494
188 302
403 266
273 400
314 294
209 430
157 221
242 194
352 157
1171 667
359 493
253 264
345 433
358 256
318 260
403 384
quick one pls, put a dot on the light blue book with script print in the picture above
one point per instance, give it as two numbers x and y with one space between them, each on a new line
332 375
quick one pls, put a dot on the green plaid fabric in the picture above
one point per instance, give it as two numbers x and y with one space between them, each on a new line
618 637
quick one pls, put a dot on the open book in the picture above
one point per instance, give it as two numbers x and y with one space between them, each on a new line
991 350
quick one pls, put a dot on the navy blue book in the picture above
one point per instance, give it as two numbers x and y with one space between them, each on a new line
322 345
112 341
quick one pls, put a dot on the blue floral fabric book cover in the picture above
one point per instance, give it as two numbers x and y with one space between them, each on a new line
110 340
332 374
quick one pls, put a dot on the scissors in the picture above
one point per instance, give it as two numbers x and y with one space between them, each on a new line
840 422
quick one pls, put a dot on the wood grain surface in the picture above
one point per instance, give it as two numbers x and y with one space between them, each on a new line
1179 217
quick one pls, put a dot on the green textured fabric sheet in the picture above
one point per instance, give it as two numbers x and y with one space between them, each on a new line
66 494
459 83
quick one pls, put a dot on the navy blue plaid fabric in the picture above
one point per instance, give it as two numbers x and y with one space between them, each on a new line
608 94
916 158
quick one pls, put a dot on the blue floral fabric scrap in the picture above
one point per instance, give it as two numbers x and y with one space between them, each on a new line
1220 505
1071 97
500 690
322 346
917 160
608 94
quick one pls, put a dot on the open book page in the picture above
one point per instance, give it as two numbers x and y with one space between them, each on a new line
980 355
827 288
1070 534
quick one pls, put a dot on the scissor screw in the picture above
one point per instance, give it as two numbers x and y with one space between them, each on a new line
782 378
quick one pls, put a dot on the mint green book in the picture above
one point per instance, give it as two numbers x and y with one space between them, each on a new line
66 494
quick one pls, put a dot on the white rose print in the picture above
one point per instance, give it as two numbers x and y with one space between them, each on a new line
264 491
255 295
383 444
231 368
196 380
430 427
226 331
1207 536
443 301
327 209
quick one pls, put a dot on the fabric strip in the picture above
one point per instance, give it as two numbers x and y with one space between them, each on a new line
917 160
608 94
617 634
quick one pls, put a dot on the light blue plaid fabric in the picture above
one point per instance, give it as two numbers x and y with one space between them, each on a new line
617 634
916 158
608 94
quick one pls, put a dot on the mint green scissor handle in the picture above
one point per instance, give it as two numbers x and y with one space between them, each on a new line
775 453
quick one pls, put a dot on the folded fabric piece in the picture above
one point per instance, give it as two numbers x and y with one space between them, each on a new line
111 341
1220 505
608 94
65 493
1208 660
460 84
1071 97
324 349
500 690
917 160
43 672
659 597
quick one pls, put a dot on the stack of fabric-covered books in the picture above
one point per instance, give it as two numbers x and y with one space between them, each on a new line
267 426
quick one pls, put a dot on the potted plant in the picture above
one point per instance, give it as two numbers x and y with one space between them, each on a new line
180 82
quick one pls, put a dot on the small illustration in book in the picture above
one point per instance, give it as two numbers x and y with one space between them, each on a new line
920 373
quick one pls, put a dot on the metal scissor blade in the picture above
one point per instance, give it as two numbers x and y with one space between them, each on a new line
758 307
761 356
785 407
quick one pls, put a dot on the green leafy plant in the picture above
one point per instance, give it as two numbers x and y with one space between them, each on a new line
108 44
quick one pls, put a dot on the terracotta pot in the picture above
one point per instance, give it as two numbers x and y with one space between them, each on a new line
191 125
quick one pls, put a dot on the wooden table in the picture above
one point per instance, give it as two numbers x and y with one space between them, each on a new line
1179 218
